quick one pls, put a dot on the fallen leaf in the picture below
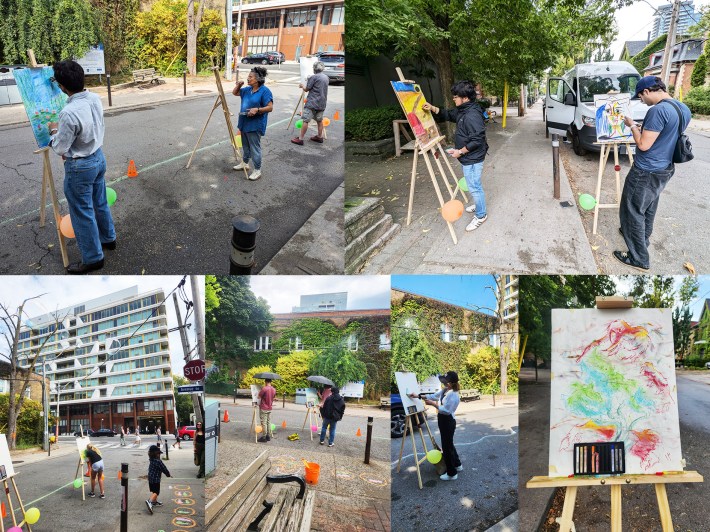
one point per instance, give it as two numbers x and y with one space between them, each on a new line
425 230
395 198
688 266
595 248
178 247
143 271
389 177
50 246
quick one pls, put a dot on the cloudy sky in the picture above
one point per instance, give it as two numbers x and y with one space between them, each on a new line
63 291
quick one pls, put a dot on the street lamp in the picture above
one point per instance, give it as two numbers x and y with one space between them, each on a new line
102 423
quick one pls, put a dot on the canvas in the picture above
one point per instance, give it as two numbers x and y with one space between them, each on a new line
5 459
609 117
42 100
407 383
412 99
255 389
613 379
306 68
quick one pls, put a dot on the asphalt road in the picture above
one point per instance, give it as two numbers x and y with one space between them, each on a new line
485 491
171 219
47 485
682 210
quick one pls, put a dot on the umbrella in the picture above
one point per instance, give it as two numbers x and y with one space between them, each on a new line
320 380
268 375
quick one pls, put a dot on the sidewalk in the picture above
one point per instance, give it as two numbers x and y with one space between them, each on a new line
30 456
522 214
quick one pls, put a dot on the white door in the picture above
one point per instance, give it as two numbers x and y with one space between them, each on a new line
558 115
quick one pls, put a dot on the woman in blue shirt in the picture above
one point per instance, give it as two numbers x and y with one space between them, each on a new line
446 401
257 101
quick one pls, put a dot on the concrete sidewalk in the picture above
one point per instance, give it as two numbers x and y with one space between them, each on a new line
527 231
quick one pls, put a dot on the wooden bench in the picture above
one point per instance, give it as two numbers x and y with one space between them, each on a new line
385 402
252 502
400 126
147 75
467 395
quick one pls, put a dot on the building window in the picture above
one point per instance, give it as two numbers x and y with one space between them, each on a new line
385 342
152 405
295 344
296 18
123 408
333 15
445 332
101 408
352 342
264 20
257 44
263 343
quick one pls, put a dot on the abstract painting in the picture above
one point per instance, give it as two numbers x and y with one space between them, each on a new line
613 380
610 112
412 99
42 99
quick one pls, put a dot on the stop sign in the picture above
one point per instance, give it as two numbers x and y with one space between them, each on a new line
194 370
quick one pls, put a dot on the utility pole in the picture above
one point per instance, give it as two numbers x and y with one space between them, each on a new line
198 303
670 43
228 20
186 354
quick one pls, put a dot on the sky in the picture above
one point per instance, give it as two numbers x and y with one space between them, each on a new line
468 291
60 292
696 305
283 292
635 21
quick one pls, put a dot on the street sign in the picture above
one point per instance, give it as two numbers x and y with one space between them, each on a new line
194 370
93 62
190 388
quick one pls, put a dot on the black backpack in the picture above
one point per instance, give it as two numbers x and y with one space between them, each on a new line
683 151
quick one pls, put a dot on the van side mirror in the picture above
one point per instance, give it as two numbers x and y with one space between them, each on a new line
570 99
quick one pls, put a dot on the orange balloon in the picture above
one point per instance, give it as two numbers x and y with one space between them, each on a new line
66 228
258 429
326 122
452 210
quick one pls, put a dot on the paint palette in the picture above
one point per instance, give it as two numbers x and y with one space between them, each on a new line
599 458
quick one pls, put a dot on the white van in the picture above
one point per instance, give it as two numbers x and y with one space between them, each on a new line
569 103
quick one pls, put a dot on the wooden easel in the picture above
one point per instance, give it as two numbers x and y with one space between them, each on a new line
409 426
300 104
48 181
606 148
255 420
80 471
615 483
434 147
312 413
221 101
9 504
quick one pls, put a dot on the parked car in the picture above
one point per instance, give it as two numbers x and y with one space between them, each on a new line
187 432
87 432
334 65
103 432
277 57
707 365
263 58
569 103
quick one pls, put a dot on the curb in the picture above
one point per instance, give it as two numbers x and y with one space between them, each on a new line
509 524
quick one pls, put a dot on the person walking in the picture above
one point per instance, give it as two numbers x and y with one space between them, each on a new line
158 434
123 436
332 412
177 440
317 90
257 102
652 169
156 468
95 461
78 137
199 451
470 144
266 405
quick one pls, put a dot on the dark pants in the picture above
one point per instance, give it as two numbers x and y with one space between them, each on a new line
447 427
639 202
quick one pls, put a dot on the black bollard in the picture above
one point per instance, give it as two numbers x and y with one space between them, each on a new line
370 420
284 402
556 165
184 82
108 85
244 228
167 456
124 497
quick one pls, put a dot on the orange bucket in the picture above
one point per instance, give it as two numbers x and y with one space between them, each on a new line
312 473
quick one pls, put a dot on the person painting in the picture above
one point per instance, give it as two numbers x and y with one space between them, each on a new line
266 405
95 461
446 401
652 169
200 450
470 144
317 91
257 102
332 412
78 137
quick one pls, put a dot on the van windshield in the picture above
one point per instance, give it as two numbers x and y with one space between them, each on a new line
604 84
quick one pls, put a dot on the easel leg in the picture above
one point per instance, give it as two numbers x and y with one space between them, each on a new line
628 152
43 204
597 195
452 192
617 174
19 500
438 193
453 174
55 208
615 508
401 447
80 474
216 104
412 182
414 450
663 508
300 99
568 509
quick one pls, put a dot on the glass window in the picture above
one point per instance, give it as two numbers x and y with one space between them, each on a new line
605 84
385 342
445 332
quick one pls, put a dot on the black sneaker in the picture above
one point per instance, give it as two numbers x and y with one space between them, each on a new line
268 438
157 503
625 258
92 494
102 496
262 440
150 506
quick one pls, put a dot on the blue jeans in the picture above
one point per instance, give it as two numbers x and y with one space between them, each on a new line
639 202
251 146
472 174
85 190
332 424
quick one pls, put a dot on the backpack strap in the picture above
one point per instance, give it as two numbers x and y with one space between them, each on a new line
680 116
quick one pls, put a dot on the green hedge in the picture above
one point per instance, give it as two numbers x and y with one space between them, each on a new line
697 78
371 123
698 100
640 60
695 362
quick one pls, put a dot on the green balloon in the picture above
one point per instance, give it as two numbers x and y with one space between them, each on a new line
587 202
299 124
110 196
77 483
273 427
462 184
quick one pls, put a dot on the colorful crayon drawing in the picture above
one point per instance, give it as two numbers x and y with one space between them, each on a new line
412 99
610 112
42 99
613 379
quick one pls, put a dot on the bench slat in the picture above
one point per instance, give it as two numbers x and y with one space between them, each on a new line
279 514
308 505
220 502
239 507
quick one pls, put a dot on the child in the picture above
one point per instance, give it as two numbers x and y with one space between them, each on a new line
93 457
156 468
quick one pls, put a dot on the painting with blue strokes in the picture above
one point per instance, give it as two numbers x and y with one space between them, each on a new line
42 99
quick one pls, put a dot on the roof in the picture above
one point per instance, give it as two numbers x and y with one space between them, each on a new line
331 314
686 51
634 47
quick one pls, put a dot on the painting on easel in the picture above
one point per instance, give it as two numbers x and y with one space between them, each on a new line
412 99
609 117
42 99
6 469
613 380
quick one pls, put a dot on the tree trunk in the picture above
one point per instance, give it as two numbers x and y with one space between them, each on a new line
440 52
193 28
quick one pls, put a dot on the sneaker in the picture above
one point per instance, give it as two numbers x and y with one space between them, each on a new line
241 166
625 258
150 506
459 468
262 440
471 208
102 496
476 223
331 445
256 174
92 494
316 138
157 503
445 476
268 438
322 442
297 140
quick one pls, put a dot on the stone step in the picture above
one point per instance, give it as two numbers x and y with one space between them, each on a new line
365 213
368 243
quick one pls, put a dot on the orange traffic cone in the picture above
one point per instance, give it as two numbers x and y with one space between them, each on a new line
132 172
283 425
226 416
120 476
359 434
336 116
3 510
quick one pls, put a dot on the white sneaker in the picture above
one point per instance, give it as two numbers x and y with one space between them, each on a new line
476 223
445 476
241 166
256 174
459 468
471 208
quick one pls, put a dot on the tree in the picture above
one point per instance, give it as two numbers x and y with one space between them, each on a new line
702 28
411 352
653 291
74 28
183 402
697 78
194 19
115 19
39 37
212 290
339 365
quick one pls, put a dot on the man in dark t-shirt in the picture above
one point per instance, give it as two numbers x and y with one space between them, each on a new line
317 89
652 169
